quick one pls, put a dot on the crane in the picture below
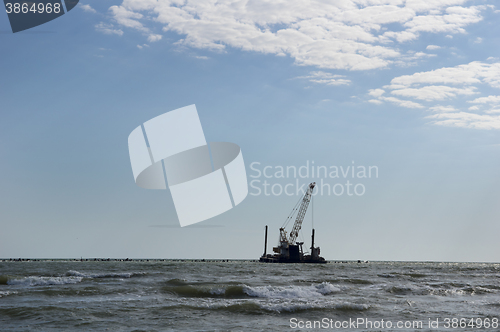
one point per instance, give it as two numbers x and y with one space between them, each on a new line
287 241
289 251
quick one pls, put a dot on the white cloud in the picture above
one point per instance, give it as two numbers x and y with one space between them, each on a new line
452 20
127 18
486 100
493 111
471 73
88 8
376 92
322 77
442 109
142 46
403 103
478 40
130 19
375 101
450 83
201 57
466 120
434 92
408 59
432 47
346 34
108 29
154 38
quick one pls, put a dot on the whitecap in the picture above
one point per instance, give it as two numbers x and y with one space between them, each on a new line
44 281
6 293
124 275
291 292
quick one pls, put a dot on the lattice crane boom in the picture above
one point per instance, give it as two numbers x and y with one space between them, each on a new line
301 214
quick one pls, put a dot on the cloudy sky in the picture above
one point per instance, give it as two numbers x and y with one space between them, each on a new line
411 87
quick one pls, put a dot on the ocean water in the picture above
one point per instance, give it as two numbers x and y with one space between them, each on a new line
247 296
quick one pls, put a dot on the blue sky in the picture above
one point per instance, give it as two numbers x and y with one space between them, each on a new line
408 86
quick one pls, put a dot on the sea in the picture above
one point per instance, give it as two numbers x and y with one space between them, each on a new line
239 295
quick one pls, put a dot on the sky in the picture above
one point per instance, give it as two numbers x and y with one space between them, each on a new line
410 88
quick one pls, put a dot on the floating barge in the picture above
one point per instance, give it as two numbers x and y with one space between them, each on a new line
288 250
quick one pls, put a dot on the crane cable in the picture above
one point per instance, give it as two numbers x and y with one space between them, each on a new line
294 210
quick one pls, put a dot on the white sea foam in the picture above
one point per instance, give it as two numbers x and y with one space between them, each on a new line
101 275
351 306
217 291
293 306
436 290
44 281
291 292
6 293
281 305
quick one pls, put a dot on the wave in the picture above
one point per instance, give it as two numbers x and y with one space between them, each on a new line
313 291
415 275
203 291
6 293
408 290
242 291
177 282
258 307
445 289
358 281
124 275
71 277
492 287
405 275
43 281
304 306
387 275
478 290
313 306
3 279
423 290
